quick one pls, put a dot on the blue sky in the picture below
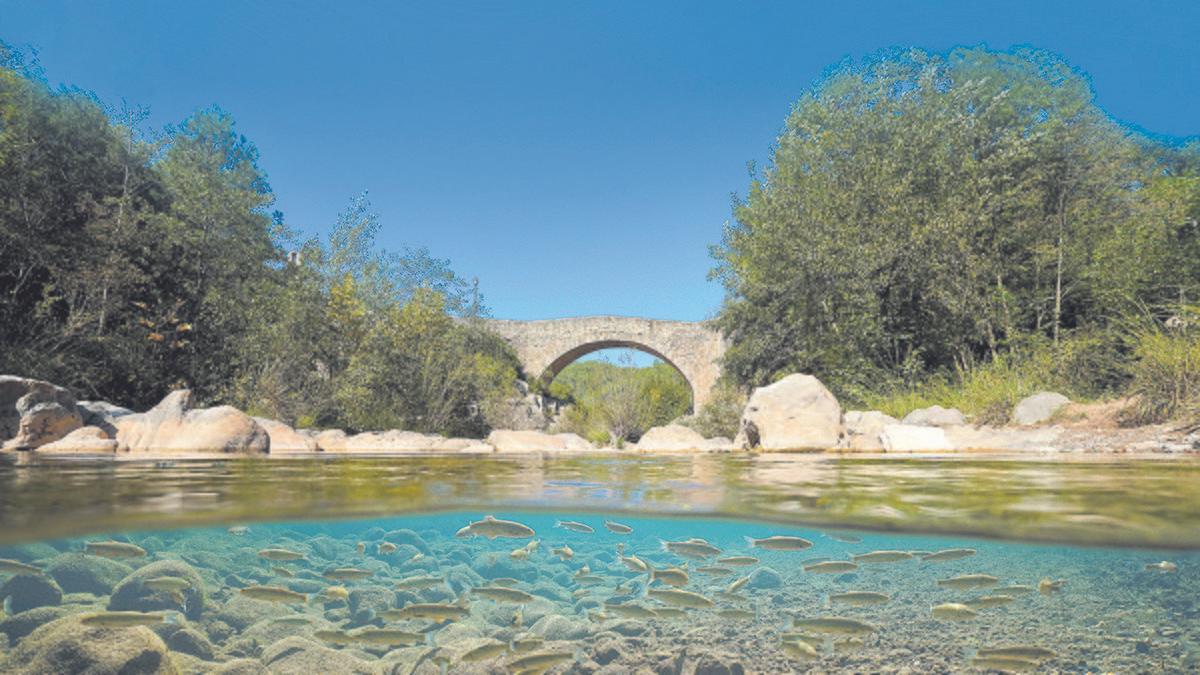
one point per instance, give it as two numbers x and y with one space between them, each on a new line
577 157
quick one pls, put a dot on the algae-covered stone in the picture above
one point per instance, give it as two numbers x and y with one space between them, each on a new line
192 641
558 627
239 667
26 591
81 573
241 612
133 594
299 656
68 646
405 536
17 626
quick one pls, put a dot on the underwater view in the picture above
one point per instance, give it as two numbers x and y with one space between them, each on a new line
541 588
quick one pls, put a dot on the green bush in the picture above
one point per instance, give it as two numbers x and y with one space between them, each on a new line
1166 374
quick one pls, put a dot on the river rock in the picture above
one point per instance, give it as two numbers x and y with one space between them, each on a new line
863 429
101 414
406 537
795 413
558 627
173 426
66 645
17 626
239 667
912 438
764 577
33 413
192 641
671 438
26 591
1038 408
284 439
82 441
396 440
1040 439
131 594
241 612
508 440
331 440
82 573
298 656
935 416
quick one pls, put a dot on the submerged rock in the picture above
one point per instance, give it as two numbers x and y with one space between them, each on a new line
795 413
764 577
27 591
192 641
68 646
17 626
84 441
558 627
173 426
241 612
1038 408
299 656
132 593
82 573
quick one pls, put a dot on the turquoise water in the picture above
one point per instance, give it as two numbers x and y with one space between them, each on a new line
589 613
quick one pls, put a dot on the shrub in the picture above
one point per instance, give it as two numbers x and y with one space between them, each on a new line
1166 373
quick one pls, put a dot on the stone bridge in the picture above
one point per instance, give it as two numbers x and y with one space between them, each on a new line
545 347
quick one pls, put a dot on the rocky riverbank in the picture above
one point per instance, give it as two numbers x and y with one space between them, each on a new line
796 414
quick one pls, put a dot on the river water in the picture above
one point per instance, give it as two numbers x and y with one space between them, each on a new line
921 564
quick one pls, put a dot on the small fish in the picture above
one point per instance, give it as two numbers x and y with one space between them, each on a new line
670 613
507 582
813 641
292 621
283 572
485 652
336 593
418 583
968 582
564 553
1047 586
347 574
127 619
574 526
671 576
734 614
518 617
848 645
635 564
860 598
1015 589
846 538
589 580
527 643
692 548
779 543
836 625
989 601
1029 652
882 557
1164 566
714 571
946 555
431 611
502 594
584 571
333 637
1004 664
387 637
630 610
674 596
493 528
274 594
831 567
737 585
738 560
361 547
953 611
385 548
114 549
238 530
278 554
167 584
798 651
539 662
617 528
16 567
416 556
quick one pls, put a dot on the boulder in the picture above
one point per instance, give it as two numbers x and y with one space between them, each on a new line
193 642
67 645
393 441
241 612
508 440
299 656
912 438
1040 439
173 426
132 593
764 577
83 441
558 627
1038 408
795 413
331 440
17 626
671 438
34 413
284 439
239 667
935 416
101 414
82 573
863 429
27 591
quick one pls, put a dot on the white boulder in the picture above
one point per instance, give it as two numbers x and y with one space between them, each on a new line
1038 408
795 413
510 440
935 416
174 427
912 438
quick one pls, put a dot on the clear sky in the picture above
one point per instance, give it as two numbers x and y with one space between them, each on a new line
577 157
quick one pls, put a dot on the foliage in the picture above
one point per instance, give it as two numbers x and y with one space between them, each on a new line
1166 372
721 416
618 402
927 217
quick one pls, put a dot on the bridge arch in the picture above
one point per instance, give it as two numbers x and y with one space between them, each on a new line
545 347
